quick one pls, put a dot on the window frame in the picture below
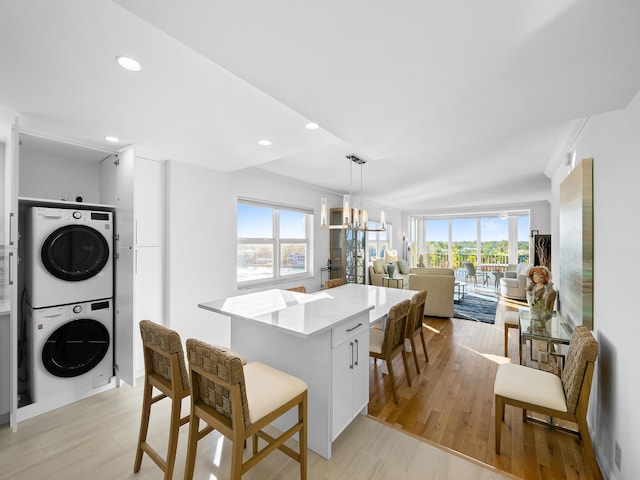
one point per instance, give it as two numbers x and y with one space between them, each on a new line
276 242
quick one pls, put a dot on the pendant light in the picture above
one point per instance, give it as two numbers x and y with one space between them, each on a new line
353 218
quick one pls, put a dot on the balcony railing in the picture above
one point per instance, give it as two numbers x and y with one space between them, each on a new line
442 260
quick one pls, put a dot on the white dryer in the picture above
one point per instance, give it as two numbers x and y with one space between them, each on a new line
70 351
69 255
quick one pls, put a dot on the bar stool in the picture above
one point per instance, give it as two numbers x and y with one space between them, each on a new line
239 402
164 369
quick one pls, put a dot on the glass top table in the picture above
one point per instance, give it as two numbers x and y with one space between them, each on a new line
554 330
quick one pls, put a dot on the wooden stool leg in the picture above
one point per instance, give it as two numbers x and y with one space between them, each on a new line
174 427
144 424
192 447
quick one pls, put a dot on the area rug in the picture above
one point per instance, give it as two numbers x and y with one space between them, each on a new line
481 308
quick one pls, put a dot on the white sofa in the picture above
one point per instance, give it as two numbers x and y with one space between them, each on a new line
438 282
378 270
514 284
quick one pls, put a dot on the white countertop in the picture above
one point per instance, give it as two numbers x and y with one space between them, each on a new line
302 314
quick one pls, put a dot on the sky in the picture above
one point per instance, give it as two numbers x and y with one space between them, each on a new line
256 222
493 229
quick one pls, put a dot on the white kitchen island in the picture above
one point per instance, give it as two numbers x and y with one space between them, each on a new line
322 338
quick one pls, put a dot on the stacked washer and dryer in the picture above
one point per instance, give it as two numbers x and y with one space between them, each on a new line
69 281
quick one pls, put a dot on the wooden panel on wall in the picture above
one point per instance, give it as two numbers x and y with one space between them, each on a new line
576 244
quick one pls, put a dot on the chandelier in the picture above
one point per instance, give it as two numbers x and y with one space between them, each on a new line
353 218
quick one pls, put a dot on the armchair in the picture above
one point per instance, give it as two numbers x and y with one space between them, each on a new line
514 284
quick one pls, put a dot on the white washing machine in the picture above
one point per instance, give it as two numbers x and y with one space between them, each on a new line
69 255
70 351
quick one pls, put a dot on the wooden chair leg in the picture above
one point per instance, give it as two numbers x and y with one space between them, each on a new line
424 346
415 355
583 428
393 381
506 340
499 419
144 424
406 367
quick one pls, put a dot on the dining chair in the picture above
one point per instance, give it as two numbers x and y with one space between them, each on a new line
388 343
164 370
239 401
334 282
565 397
300 289
414 325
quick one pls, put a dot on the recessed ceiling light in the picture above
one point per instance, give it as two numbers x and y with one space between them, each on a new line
312 126
129 63
264 143
111 139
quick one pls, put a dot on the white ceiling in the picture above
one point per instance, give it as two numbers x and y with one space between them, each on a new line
454 104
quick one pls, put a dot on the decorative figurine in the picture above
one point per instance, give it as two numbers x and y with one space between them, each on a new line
538 291
420 261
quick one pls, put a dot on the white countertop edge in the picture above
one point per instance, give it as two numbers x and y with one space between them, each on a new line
5 307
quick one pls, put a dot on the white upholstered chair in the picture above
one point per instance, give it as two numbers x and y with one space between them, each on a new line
514 284
565 397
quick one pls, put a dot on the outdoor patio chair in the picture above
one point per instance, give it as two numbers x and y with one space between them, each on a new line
473 273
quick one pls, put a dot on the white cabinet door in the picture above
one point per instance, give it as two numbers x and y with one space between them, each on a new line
349 377
342 364
147 295
360 380
149 202
116 178
10 240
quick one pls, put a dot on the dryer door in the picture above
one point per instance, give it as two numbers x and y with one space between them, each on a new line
75 348
75 252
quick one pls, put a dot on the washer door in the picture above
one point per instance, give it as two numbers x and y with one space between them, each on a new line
75 252
75 348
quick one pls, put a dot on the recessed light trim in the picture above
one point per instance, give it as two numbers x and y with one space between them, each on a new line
112 139
312 126
128 63
264 143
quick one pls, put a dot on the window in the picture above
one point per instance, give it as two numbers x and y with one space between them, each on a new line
377 242
449 241
273 242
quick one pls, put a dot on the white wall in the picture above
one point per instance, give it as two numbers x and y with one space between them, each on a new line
202 240
613 141
50 177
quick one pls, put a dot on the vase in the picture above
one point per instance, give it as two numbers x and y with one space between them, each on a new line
391 269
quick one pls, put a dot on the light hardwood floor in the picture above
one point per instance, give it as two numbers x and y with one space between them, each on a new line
451 402
95 439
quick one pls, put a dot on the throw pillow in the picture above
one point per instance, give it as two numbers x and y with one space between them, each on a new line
403 266
378 266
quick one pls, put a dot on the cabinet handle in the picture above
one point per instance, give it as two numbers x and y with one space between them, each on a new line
11 215
357 351
10 279
351 366
352 329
